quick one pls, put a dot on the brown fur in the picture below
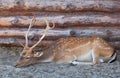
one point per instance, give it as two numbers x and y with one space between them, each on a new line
69 49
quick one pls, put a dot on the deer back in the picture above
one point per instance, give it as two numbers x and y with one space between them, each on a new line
71 48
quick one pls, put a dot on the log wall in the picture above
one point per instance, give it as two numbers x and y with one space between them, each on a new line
72 18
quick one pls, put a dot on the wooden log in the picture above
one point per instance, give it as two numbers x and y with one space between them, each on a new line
60 6
63 20
16 42
108 33
116 45
11 42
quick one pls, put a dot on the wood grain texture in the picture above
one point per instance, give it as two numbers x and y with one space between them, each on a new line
60 5
10 37
79 18
15 42
108 33
63 20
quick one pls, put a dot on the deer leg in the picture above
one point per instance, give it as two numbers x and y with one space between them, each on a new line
77 62
73 63
95 56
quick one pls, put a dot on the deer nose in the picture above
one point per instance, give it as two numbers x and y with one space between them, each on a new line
16 65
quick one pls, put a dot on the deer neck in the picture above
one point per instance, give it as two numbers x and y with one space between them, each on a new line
47 56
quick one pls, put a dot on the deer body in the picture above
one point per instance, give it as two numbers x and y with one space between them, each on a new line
69 49
72 50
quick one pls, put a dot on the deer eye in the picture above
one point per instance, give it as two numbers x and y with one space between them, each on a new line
38 54
23 53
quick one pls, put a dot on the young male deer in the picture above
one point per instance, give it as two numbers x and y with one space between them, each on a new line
72 50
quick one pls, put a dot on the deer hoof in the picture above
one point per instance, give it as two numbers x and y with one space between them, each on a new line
74 63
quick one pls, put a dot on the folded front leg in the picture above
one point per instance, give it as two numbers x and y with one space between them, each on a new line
73 63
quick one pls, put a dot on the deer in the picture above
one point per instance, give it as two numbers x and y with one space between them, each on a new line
68 50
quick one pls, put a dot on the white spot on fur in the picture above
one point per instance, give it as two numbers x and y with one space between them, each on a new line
78 47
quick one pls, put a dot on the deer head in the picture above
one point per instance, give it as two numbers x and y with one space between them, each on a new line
28 56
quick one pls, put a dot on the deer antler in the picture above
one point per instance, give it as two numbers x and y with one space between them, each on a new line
45 32
26 35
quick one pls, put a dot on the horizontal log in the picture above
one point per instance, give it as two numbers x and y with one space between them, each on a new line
116 45
60 5
63 20
108 33
8 13
15 42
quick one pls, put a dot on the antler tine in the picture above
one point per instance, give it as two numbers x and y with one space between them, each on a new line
21 44
45 32
26 35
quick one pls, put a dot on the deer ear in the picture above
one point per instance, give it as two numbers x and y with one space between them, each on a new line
38 54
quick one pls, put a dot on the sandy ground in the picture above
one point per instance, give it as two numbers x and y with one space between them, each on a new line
8 57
